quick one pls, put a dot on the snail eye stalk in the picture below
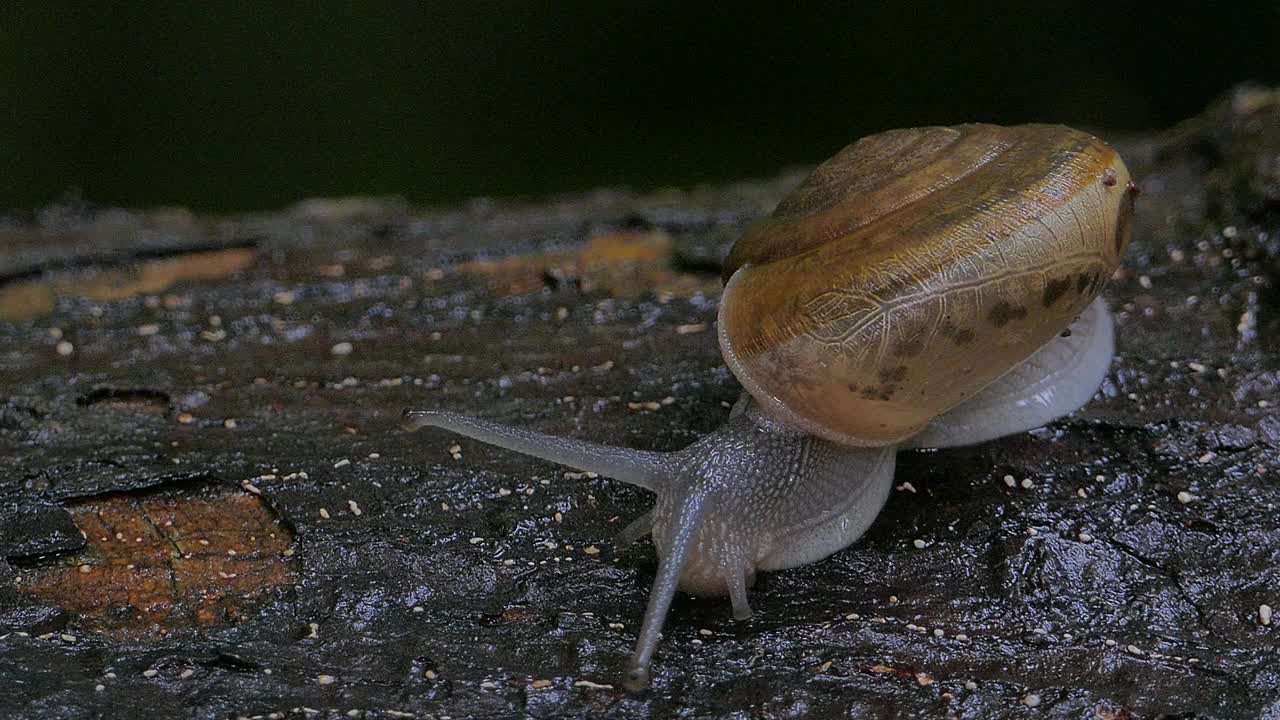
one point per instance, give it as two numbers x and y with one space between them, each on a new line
636 467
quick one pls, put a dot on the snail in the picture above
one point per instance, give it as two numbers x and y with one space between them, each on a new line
923 288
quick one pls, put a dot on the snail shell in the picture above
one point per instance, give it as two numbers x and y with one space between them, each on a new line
915 267
914 292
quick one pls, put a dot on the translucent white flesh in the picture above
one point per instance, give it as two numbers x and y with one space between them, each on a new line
1056 380
844 496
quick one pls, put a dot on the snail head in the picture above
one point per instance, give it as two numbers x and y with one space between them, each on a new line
751 496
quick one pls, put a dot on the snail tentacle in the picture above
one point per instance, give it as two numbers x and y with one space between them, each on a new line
684 536
1056 380
637 467
737 582
633 532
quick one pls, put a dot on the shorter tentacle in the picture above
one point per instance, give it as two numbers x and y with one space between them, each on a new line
737 581
634 531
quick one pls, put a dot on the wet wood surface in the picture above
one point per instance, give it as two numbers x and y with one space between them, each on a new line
207 508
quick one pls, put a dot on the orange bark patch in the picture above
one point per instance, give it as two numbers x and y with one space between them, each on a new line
32 298
624 264
167 560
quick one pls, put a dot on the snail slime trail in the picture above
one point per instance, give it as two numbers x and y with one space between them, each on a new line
924 287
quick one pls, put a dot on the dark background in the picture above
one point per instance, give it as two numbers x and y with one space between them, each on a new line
222 107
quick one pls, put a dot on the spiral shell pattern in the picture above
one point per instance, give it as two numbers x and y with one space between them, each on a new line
917 266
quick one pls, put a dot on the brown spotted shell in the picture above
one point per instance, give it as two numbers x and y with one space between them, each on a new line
917 266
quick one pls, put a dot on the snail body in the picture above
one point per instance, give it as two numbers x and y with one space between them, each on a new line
925 287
